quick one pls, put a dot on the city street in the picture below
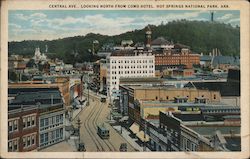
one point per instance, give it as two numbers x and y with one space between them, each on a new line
93 115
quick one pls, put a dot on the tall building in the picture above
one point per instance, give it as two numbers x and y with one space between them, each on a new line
128 63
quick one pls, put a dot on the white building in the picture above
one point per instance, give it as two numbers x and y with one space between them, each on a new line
128 63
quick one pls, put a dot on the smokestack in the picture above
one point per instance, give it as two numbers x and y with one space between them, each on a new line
212 16
148 37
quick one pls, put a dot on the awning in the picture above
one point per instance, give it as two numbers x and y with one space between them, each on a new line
140 135
134 128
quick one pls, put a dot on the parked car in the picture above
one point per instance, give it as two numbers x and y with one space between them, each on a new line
81 147
123 147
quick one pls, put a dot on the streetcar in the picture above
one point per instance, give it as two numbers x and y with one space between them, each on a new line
102 131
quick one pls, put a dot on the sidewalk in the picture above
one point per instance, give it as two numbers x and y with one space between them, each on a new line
131 141
63 146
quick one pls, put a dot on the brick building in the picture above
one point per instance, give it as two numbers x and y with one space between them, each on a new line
35 118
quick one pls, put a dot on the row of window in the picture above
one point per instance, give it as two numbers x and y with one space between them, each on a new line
29 121
132 72
188 145
51 137
132 61
13 145
50 122
139 66
13 125
29 140
222 111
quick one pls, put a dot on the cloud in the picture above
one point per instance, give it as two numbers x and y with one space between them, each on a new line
234 20
21 17
38 15
42 26
29 17
12 25
225 17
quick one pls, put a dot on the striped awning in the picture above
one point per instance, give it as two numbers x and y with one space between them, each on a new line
141 136
134 128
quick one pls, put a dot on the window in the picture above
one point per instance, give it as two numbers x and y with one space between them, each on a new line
61 118
24 141
33 139
46 137
28 141
10 147
28 122
42 138
214 96
42 123
57 119
57 133
10 126
33 120
13 125
46 121
13 145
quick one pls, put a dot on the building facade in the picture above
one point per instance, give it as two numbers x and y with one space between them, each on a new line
171 135
129 64
35 119
22 128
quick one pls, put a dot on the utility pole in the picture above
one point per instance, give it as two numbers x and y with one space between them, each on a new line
145 130
79 126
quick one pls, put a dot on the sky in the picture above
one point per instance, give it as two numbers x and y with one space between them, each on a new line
54 24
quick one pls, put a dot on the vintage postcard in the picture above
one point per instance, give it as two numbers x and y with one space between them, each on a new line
124 79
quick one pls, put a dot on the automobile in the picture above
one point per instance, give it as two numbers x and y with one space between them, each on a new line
103 100
123 147
81 147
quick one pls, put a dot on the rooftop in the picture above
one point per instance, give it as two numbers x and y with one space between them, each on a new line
225 88
209 130
161 41
47 98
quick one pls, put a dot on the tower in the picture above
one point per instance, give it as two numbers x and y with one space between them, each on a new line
148 37
212 16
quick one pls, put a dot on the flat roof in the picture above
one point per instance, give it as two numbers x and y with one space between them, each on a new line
210 130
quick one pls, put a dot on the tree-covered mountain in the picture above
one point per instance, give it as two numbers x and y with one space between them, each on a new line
201 36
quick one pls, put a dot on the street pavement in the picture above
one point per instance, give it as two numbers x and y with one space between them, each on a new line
96 113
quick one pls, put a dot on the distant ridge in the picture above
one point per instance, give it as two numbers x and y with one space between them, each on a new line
201 36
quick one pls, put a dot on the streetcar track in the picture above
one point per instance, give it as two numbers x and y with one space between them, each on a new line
87 126
97 116
96 138
95 122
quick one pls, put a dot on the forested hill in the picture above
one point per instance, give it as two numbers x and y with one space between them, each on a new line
201 36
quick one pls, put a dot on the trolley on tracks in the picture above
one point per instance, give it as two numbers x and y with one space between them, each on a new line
102 131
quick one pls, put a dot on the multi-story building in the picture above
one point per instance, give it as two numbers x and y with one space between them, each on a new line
22 128
128 63
171 135
171 57
35 119
131 94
